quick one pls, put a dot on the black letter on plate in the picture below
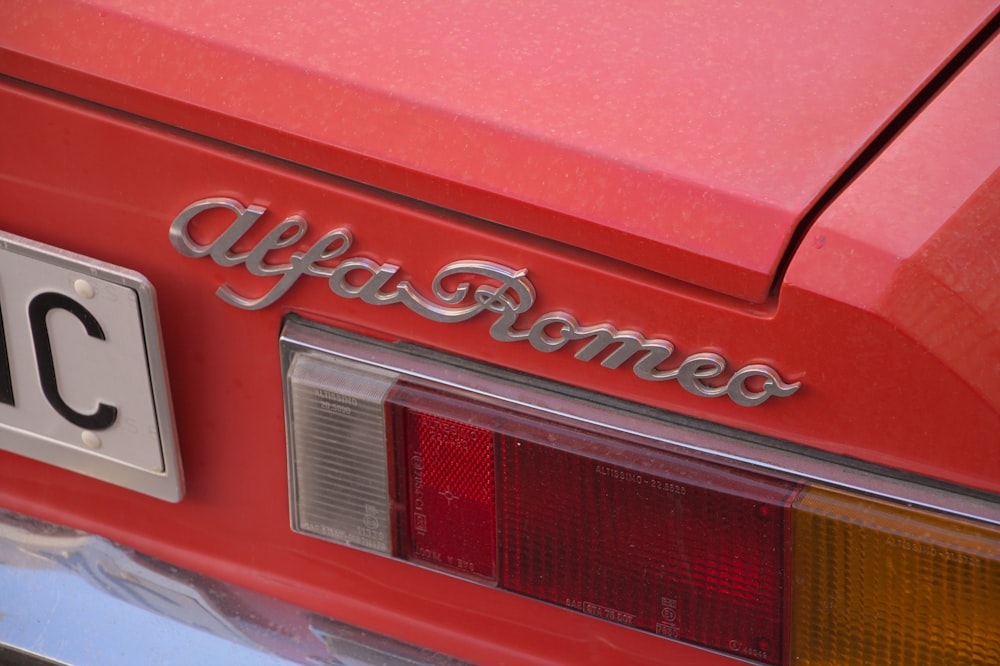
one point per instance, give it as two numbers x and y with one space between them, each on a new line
38 310
6 384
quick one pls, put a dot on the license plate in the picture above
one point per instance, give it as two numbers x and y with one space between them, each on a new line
82 379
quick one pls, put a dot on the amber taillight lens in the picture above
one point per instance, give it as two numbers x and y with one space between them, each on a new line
878 582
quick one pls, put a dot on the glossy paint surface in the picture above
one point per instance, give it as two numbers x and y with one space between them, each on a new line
97 183
888 315
686 138
109 186
904 267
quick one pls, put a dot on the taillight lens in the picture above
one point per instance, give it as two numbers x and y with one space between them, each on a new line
878 582
338 463
619 524
657 541
448 492
663 543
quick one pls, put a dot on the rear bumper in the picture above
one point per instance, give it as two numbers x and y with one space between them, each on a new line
76 598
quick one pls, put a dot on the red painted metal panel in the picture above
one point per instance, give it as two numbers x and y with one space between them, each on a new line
80 177
836 349
83 180
906 259
684 138
888 315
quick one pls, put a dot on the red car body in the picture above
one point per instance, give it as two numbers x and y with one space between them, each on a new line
811 189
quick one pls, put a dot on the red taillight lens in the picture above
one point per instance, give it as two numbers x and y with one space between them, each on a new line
449 494
657 541
662 543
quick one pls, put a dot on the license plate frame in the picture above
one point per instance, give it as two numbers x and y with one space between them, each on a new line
83 381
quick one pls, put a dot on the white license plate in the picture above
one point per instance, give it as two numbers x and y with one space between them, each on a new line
82 379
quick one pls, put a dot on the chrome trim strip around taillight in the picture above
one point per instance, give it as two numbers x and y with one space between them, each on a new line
645 425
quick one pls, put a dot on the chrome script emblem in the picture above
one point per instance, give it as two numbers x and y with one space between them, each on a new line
488 287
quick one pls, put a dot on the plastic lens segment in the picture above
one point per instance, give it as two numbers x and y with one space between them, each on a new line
761 565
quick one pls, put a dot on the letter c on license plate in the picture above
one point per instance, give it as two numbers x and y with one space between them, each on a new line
82 379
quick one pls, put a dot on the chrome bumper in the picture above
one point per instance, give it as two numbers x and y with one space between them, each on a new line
71 597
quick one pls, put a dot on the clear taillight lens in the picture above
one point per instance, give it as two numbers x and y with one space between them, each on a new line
622 524
338 462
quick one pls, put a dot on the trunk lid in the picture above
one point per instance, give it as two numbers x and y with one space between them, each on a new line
687 140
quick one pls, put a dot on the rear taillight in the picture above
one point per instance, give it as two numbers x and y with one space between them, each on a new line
880 582
447 485
663 543
627 518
